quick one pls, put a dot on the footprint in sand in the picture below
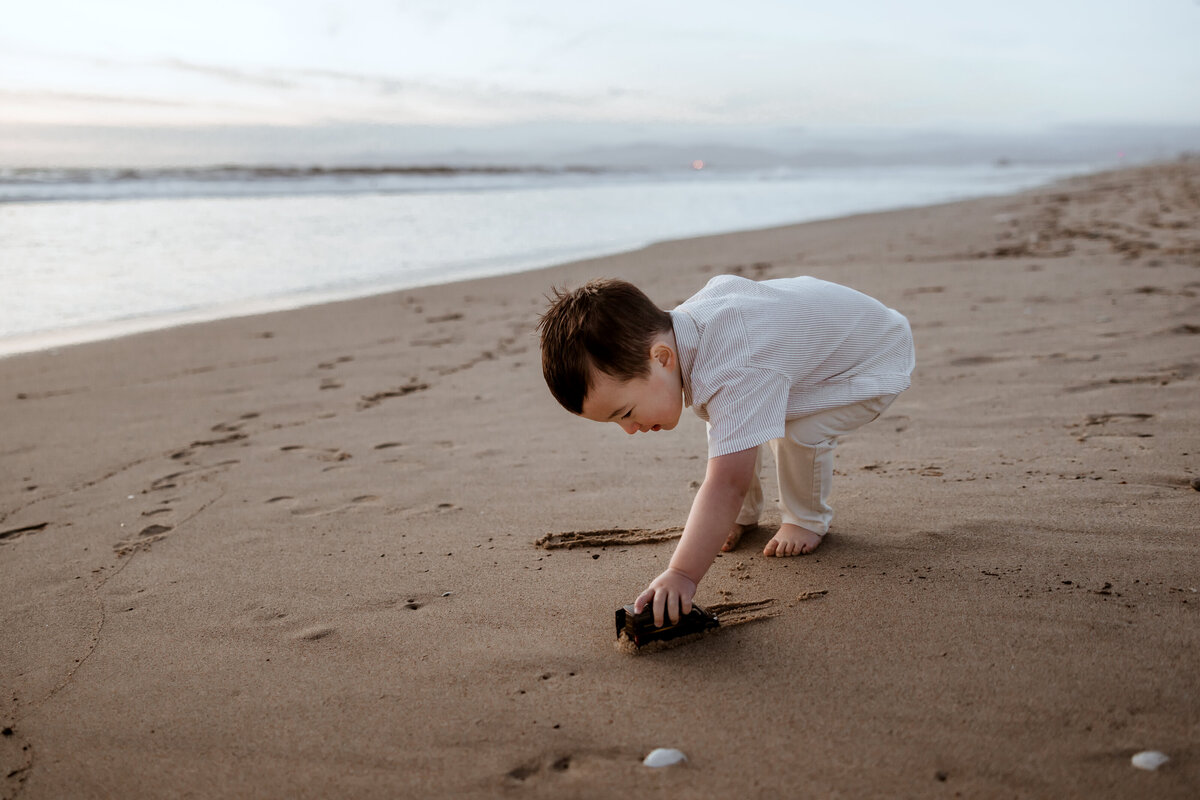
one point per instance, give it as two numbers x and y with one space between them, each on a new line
314 633
451 317
144 538
174 479
280 622
1104 419
372 400
231 429
529 770
1161 376
436 342
924 290
1101 422
561 765
266 614
319 453
333 364
12 534
976 361
236 425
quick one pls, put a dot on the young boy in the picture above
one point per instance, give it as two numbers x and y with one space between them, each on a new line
794 363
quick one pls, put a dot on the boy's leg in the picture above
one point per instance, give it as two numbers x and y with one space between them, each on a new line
804 459
752 507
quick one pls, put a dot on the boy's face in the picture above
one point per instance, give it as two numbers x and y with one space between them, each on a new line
650 403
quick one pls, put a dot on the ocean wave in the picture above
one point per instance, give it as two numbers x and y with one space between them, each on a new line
33 184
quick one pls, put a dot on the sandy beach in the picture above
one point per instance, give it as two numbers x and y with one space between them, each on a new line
295 555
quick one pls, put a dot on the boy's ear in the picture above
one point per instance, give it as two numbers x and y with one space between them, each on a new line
663 354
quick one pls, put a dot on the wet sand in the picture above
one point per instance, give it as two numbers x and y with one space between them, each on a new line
297 554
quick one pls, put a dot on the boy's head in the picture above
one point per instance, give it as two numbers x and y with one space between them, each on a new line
606 328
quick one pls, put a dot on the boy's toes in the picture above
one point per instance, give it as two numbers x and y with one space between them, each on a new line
775 548
735 536
792 541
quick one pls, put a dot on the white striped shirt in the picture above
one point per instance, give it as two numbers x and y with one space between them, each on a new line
756 354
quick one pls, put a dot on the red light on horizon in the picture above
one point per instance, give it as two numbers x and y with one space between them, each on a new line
697 164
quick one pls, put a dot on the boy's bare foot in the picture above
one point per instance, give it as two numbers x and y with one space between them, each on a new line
735 536
792 540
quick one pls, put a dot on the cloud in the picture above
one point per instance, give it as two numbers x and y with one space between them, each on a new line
55 97
264 79
471 62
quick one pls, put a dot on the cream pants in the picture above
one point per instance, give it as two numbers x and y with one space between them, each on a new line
804 464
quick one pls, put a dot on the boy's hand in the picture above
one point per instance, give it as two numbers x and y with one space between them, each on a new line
671 592
713 511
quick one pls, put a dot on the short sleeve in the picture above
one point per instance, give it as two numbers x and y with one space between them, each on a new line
748 409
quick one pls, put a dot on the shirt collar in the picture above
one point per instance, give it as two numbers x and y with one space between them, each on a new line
687 340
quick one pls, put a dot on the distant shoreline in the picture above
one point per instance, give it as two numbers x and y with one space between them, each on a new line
250 172
50 339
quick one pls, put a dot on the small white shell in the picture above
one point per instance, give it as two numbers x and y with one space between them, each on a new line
664 757
1150 759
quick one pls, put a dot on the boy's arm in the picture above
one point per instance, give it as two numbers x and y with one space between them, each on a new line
713 512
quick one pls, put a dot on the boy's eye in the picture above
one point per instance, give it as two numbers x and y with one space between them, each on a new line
627 413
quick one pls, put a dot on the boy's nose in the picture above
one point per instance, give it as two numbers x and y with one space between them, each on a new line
629 427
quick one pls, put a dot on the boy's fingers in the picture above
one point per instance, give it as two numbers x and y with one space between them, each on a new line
686 605
673 606
641 600
660 600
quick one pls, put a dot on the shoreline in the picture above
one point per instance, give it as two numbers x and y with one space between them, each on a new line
295 553
105 329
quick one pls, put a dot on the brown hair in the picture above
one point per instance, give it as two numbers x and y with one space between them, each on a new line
605 324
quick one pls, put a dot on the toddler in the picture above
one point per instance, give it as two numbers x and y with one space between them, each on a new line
792 364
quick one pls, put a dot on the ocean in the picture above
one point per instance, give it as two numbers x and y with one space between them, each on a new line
90 254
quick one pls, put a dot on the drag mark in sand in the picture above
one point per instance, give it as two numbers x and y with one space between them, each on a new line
733 613
609 536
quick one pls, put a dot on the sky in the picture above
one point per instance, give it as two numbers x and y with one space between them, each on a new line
462 65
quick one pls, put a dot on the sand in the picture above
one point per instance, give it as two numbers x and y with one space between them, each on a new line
294 555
